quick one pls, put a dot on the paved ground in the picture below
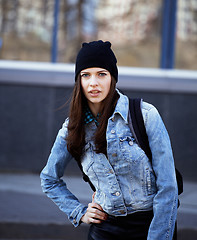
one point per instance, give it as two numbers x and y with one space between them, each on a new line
26 213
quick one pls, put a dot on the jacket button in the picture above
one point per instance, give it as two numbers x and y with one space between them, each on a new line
131 143
122 211
74 221
114 155
112 131
117 194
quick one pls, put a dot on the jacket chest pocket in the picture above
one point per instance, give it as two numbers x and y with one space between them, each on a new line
130 149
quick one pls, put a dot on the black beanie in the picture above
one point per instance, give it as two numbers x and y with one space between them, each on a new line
96 54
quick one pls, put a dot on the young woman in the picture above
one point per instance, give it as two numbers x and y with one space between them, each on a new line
134 199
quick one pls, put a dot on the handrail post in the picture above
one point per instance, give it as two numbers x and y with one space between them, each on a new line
54 47
168 33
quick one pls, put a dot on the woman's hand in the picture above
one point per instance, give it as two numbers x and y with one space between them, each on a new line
94 213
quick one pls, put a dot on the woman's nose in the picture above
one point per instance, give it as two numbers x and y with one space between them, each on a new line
93 81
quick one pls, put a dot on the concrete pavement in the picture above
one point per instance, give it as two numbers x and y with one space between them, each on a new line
26 213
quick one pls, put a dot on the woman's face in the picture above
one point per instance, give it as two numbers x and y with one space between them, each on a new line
96 83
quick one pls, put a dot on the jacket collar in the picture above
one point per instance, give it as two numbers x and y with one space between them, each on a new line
122 107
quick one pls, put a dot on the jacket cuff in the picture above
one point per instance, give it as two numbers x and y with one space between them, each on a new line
77 214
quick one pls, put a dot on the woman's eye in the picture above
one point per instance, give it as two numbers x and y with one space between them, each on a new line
102 74
85 75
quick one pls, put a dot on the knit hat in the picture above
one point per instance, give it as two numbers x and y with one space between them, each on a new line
96 54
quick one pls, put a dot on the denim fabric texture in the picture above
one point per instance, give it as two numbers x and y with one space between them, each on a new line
125 180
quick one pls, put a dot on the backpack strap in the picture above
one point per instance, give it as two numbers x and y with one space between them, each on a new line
85 177
138 125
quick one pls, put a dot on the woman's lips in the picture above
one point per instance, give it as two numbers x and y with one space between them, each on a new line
94 93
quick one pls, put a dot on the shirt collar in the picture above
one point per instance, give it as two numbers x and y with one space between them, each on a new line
89 117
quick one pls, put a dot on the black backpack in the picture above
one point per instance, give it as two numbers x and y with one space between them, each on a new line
139 131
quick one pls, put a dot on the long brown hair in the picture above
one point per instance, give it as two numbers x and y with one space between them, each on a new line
76 128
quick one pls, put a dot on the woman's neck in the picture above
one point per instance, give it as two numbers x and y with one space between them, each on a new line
95 108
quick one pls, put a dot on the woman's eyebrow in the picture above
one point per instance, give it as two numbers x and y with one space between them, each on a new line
103 70
97 71
84 72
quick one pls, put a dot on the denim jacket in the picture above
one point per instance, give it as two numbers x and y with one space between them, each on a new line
125 180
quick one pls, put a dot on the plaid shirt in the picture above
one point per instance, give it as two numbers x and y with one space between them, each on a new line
89 117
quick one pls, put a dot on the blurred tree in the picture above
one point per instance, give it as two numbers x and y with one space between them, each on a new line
4 12
73 27
45 8
9 10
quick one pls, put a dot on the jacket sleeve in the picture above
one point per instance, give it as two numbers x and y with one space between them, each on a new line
54 186
166 199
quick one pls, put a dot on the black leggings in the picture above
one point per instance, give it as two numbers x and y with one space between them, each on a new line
131 227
